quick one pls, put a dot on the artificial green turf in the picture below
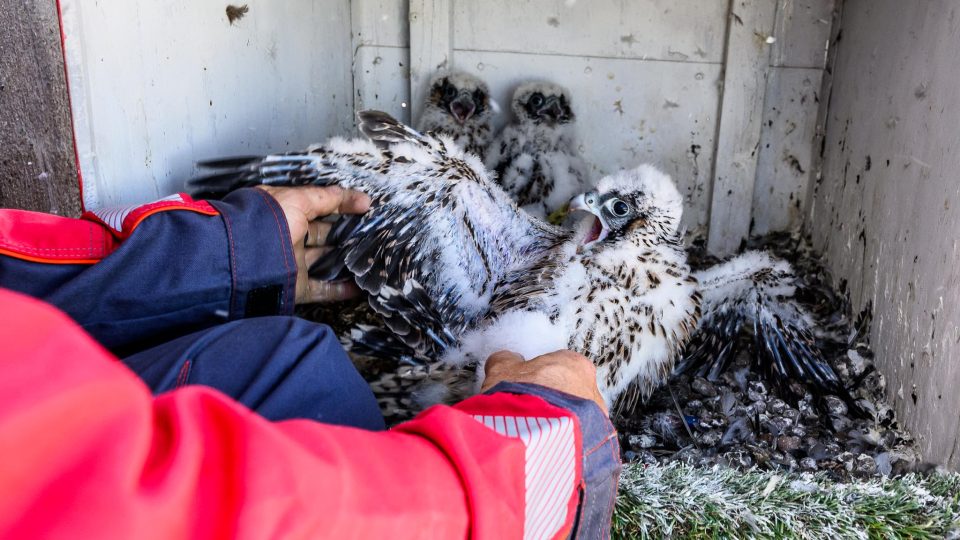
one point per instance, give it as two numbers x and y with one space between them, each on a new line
681 502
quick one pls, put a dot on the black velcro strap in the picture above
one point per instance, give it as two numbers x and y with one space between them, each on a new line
264 301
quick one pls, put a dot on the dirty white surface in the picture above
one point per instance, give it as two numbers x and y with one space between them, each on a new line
647 82
156 86
886 214
381 49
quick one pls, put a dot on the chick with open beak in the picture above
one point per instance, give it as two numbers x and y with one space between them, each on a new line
459 106
594 229
537 158
463 107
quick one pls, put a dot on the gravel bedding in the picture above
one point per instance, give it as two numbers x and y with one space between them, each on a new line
742 419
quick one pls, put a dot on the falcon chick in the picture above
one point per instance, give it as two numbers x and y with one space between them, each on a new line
459 105
535 158
457 270
619 291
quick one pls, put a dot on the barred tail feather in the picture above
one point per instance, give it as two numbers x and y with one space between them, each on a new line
756 290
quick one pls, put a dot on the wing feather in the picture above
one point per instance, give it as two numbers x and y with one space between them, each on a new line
438 238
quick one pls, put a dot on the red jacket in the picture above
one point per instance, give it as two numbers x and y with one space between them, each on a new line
89 453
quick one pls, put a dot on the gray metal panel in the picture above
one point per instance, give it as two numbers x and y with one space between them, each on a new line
381 22
738 140
381 56
381 78
802 31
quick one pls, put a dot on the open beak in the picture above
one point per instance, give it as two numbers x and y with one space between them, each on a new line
551 110
594 228
463 108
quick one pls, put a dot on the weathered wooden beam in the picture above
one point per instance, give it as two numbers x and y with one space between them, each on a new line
38 169
431 45
741 114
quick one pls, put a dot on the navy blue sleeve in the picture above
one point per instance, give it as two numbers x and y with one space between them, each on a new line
178 272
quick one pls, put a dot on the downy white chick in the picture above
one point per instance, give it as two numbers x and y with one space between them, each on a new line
536 158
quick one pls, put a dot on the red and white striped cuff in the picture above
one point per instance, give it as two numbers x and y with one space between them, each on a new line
550 468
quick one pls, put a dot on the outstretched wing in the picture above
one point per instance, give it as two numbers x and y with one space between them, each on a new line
755 290
438 238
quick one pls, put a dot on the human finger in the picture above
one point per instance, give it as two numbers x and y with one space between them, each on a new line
317 232
312 255
332 291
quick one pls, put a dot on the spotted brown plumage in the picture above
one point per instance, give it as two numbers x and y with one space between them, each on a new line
445 256
620 292
457 271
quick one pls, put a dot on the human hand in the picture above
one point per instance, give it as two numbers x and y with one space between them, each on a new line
303 207
565 371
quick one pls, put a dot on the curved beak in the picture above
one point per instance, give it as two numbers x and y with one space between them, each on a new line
580 202
594 229
551 109
463 107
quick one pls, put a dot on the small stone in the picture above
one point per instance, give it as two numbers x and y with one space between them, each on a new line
788 444
694 405
642 441
647 457
842 370
865 464
857 362
777 425
808 464
703 387
776 406
711 438
792 414
841 424
847 460
888 439
727 403
798 431
786 461
739 459
835 406
821 451
884 463
797 388
756 390
760 455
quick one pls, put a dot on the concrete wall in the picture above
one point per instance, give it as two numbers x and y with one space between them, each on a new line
886 214
723 95
158 85
381 56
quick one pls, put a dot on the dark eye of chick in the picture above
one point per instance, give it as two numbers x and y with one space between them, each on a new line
536 100
449 91
620 208
478 100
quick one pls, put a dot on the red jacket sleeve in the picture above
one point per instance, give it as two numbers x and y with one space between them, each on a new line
89 453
